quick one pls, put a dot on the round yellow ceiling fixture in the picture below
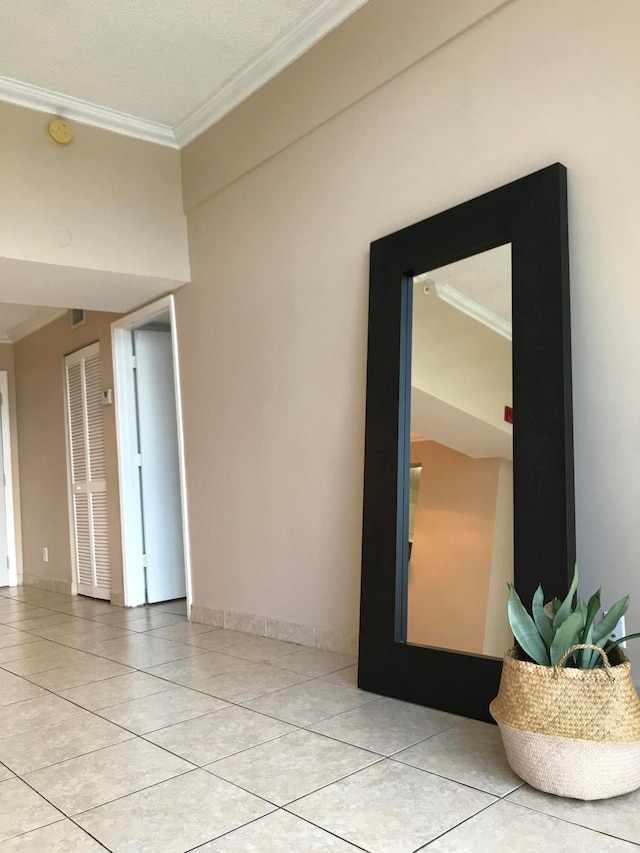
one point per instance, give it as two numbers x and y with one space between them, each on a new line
59 131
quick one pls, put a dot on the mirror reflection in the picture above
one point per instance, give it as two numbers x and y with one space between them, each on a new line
461 476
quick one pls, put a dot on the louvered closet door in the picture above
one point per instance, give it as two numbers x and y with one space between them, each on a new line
87 473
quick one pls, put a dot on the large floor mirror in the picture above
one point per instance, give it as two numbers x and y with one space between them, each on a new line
468 454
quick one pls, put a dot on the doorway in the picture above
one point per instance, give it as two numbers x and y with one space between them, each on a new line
155 545
8 564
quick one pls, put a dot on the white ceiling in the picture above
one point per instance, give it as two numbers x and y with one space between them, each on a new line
456 428
484 279
163 70
461 373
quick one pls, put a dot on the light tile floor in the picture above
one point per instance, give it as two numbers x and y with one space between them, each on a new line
135 731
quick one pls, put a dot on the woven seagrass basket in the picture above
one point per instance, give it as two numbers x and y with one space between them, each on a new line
571 732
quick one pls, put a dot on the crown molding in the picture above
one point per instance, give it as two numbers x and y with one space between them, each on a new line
74 109
327 15
33 323
474 309
324 17
4 338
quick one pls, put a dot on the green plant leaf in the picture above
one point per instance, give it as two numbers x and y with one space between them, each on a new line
557 604
566 607
606 625
592 609
582 607
611 645
568 634
588 657
524 629
543 623
578 657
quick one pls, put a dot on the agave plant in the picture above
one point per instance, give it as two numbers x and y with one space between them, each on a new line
553 628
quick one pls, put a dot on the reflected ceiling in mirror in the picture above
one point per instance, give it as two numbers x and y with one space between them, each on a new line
461 483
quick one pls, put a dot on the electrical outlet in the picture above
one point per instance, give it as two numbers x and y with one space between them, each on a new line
45 555
619 631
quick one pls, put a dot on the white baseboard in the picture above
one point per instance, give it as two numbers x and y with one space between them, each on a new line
263 626
48 584
247 623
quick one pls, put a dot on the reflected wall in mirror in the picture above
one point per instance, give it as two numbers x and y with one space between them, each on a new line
461 456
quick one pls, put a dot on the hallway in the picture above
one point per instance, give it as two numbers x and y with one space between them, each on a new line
135 731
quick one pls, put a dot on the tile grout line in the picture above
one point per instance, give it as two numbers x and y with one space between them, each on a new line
296 727
63 815
566 820
147 787
451 828
64 819
175 685
236 704
392 755
195 767
457 781
307 677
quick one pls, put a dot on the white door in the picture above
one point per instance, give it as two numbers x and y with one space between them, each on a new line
159 465
4 545
87 472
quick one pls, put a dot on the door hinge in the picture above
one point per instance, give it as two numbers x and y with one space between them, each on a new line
134 362
144 561
139 460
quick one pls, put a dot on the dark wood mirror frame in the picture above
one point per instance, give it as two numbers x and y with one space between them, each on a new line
531 214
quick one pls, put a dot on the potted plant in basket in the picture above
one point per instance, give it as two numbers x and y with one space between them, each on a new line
567 709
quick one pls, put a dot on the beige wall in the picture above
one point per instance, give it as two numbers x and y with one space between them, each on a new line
372 46
453 543
39 365
7 363
284 197
105 203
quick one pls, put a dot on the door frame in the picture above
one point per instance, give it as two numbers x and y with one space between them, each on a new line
10 519
127 444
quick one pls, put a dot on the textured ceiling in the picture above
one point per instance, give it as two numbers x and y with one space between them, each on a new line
154 59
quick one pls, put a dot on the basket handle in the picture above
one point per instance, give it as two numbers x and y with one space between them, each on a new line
572 649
